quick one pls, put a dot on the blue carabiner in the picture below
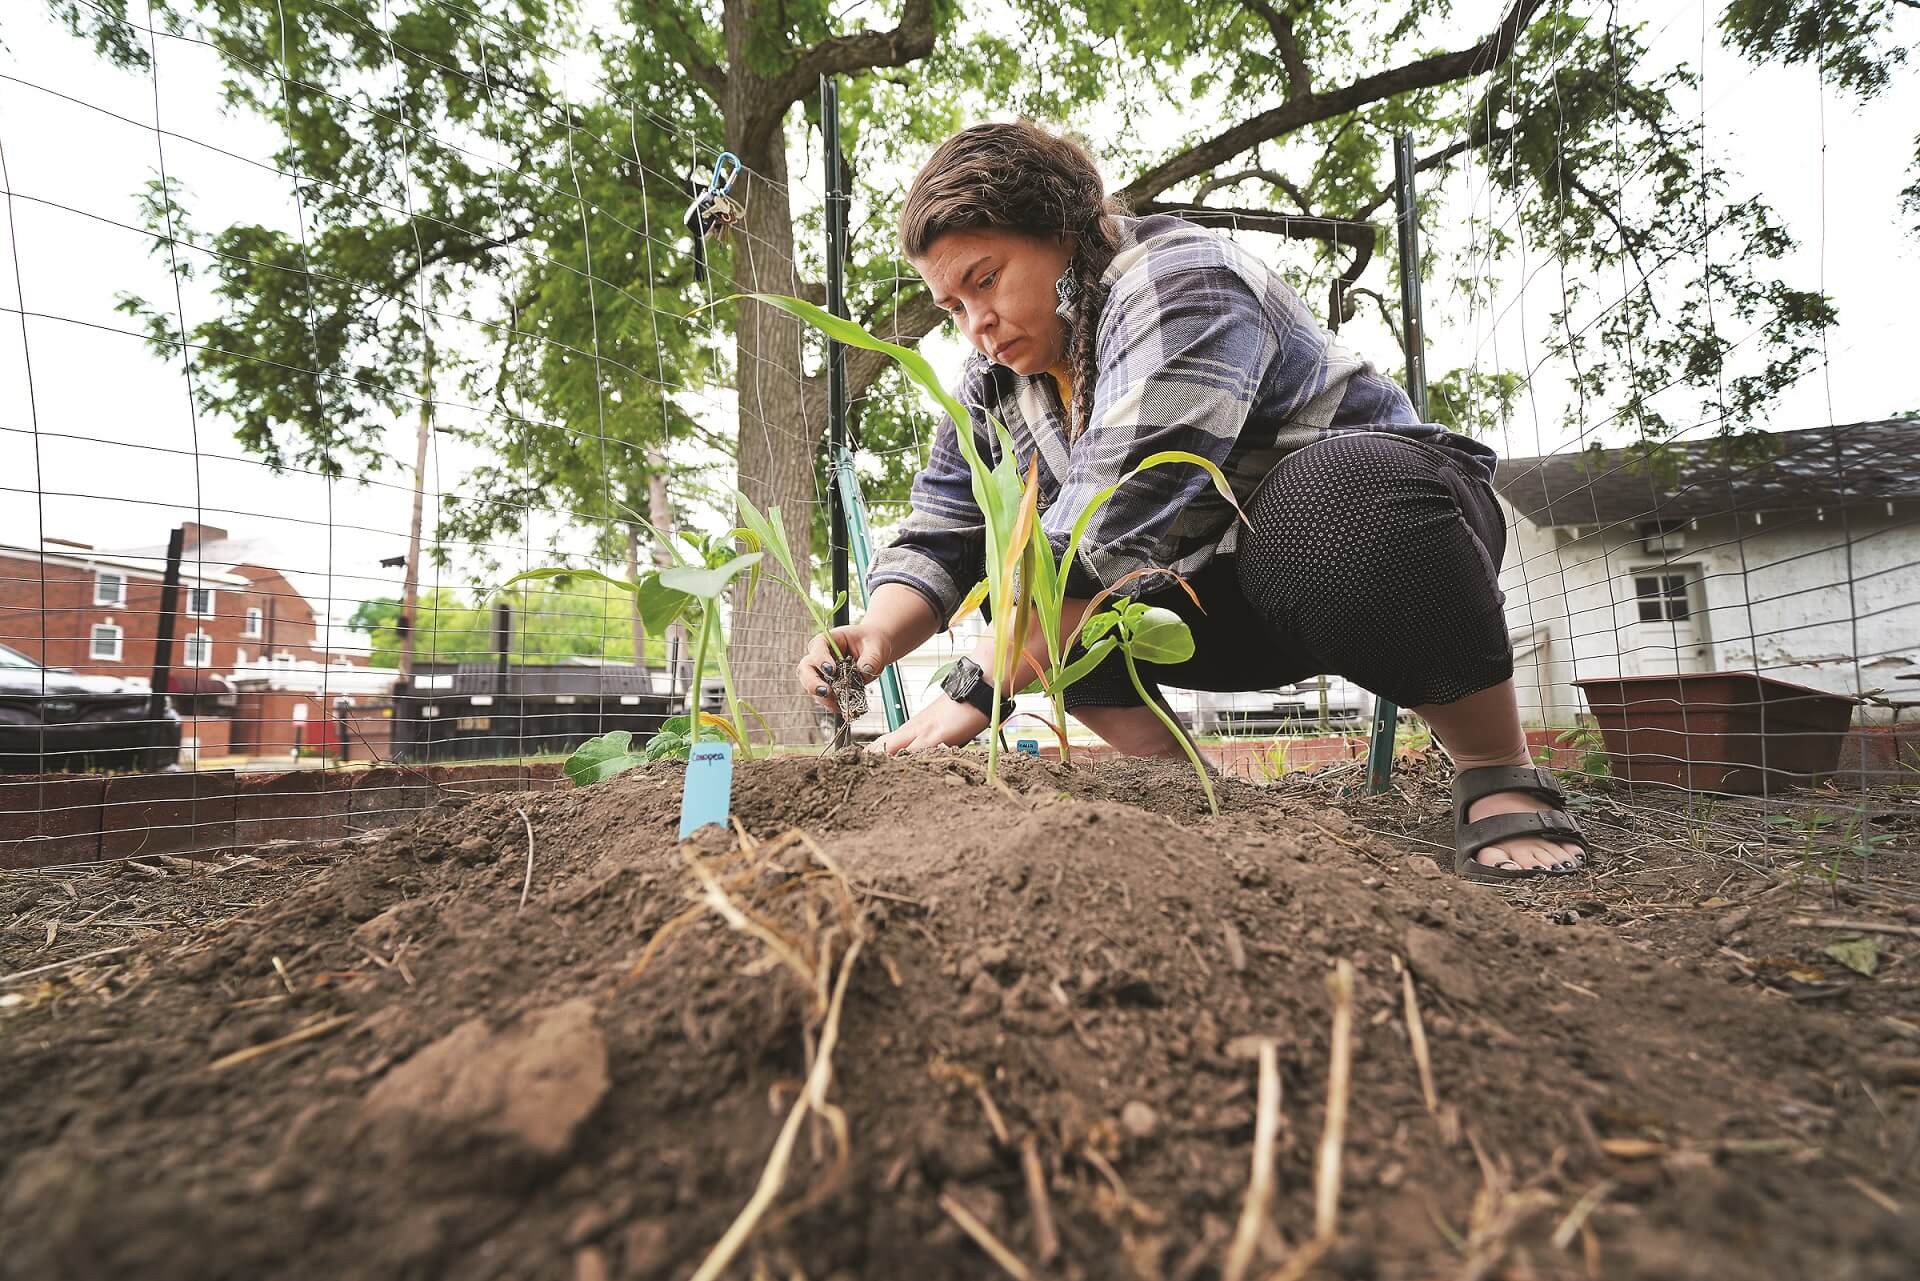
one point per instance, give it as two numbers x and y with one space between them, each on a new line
723 187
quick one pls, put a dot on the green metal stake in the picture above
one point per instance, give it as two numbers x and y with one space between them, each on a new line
846 485
1386 717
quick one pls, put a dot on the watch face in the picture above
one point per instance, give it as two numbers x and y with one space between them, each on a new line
960 681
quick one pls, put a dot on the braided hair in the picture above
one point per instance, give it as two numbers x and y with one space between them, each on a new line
1020 177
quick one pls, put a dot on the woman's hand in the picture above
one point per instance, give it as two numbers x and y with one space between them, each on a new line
867 647
941 723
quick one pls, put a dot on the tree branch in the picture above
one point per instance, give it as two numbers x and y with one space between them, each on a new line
1339 231
861 51
1279 180
688 53
1627 239
1386 314
1288 40
1440 157
1296 113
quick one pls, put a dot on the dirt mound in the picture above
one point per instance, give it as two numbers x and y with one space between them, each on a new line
396 1070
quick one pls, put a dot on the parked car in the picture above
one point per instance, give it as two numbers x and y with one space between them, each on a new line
1290 707
52 719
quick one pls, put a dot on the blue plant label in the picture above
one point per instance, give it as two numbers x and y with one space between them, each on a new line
708 795
1027 746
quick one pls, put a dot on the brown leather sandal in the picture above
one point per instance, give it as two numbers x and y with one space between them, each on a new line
1469 838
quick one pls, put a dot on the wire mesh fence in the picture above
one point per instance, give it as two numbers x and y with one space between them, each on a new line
1711 582
277 440
277 443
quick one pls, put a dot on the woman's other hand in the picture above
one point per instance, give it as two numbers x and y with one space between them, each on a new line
941 723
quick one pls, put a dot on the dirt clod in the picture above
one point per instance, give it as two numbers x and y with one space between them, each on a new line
533 1084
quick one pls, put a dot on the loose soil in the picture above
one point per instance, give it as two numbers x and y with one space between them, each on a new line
367 1059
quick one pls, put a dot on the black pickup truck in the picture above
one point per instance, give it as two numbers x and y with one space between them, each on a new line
52 720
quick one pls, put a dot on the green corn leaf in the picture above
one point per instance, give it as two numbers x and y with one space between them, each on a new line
1161 636
971 603
1161 459
916 367
767 533
601 758
1047 592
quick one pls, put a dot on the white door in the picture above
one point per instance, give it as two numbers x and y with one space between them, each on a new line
1667 632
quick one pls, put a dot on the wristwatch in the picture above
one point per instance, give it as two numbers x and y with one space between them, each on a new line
967 683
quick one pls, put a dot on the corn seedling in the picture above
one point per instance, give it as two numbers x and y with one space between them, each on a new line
1272 761
1147 633
1023 580
1049 588
1009 508
1594 761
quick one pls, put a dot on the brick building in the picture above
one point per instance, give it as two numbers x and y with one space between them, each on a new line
247 675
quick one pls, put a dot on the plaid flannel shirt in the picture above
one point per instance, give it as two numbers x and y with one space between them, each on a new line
1200 347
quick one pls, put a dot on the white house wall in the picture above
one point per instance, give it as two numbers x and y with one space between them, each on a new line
1821 599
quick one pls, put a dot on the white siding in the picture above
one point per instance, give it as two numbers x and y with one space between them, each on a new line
1830 600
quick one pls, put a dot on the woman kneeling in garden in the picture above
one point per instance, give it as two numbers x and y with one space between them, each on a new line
1372 542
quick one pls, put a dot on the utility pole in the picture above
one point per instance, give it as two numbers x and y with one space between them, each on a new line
410 589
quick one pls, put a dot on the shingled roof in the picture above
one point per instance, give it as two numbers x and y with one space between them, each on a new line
1851 463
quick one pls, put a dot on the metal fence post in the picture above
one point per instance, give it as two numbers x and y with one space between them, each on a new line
1406 223
163 641
847 523
836 220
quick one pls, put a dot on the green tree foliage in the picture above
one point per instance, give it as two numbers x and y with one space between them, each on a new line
512 183
552 622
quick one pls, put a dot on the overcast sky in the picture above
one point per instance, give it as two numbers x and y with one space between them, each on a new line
105 449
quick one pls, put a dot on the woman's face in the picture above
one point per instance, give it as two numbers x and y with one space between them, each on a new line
999 288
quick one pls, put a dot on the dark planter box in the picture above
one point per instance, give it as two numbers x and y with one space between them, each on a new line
1718 731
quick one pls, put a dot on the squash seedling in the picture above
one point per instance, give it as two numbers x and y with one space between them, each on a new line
1148 633
681 591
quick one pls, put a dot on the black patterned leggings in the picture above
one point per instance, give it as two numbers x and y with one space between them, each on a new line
1372 557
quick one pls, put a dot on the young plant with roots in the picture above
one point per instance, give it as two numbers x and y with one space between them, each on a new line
768 531
1023 580
790 897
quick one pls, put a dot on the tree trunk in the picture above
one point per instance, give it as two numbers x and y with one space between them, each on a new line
780 428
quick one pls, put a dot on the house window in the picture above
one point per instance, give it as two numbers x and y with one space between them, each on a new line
253 623
1662 597
199 650
105 642
200 601
109 588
